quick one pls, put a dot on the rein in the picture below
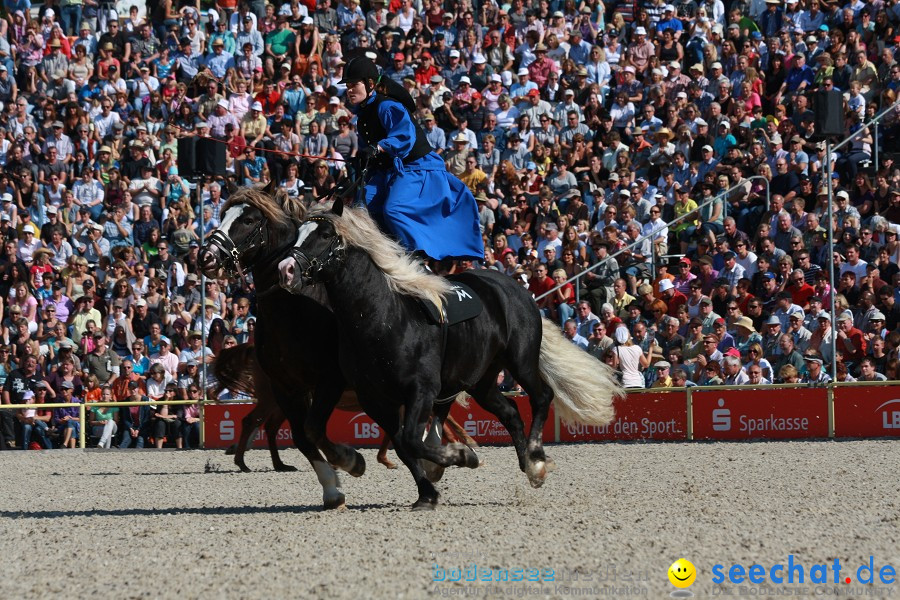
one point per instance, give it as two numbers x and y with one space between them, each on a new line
312 268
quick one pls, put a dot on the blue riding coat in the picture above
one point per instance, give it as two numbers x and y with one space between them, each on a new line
419 203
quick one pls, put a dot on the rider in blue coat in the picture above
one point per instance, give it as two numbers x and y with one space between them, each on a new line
409 191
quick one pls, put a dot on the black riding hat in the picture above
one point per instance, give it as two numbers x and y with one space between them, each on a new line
360 69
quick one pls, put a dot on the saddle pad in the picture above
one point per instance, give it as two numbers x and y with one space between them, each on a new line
461 304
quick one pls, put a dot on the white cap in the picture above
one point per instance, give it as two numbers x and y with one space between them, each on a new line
7 197
681 95
256 106
700 123
776 138
716 65
522 71
479 59
725 124
223 103
707 148
625 193
334 100
640 31
496 77
465 79
629 69
665 285
669 8
286 66
454 54
307 21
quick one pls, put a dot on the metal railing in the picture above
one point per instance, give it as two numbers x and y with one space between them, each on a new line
84 406
720 196
829 171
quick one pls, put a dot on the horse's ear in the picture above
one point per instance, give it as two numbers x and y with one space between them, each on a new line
338 207
270 188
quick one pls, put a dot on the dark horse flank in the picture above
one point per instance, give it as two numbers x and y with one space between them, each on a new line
295 335
395 357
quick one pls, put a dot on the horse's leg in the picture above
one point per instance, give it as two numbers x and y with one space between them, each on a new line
383 453
540 395
433 438
325 397
295 409
414 420
388 418
489 397
273 425
249 425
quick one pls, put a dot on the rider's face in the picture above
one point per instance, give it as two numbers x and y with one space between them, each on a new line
356 92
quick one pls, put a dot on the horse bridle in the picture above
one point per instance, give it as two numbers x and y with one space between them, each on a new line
231 253
312 268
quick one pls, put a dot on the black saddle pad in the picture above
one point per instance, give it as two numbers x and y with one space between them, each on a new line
461 304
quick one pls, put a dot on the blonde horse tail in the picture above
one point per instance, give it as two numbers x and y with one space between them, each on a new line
584 388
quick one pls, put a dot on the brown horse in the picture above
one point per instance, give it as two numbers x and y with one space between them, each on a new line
234 368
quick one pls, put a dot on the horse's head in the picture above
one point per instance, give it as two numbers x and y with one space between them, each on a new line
255 225
318 251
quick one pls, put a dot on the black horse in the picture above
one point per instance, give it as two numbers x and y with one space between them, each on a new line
395 356
296 338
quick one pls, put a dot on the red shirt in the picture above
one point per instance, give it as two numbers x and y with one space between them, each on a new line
859 343
423 75
539 286
674 302
800 295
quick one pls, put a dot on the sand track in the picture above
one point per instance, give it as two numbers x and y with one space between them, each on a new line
187 524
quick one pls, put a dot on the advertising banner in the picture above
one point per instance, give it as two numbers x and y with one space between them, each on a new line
760 414
639 416
357 429
867 411
222 427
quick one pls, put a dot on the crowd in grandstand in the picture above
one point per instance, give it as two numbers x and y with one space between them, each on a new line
583 129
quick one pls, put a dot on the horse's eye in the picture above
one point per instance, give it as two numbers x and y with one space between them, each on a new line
327 233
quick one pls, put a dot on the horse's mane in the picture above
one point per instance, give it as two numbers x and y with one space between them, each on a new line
404 275
276 205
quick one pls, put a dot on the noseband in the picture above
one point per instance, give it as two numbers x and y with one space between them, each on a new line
311 268
231 253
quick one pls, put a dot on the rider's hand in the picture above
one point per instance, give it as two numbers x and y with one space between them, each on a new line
367 153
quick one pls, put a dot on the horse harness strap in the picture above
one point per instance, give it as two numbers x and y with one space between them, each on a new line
311 268
257 239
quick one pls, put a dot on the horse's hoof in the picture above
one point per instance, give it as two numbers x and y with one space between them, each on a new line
244 468
537 473
469 458
387 463
433 472
422 505
336 502
359 466
283 468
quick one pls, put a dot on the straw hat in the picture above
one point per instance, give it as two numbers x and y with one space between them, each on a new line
746 323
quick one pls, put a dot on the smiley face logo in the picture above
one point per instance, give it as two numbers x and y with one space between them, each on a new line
682 573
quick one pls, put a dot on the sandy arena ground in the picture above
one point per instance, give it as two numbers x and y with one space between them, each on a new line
188 525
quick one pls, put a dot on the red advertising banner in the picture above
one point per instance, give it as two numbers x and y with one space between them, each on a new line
222 427
639 416
867 411
357 429
760 414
